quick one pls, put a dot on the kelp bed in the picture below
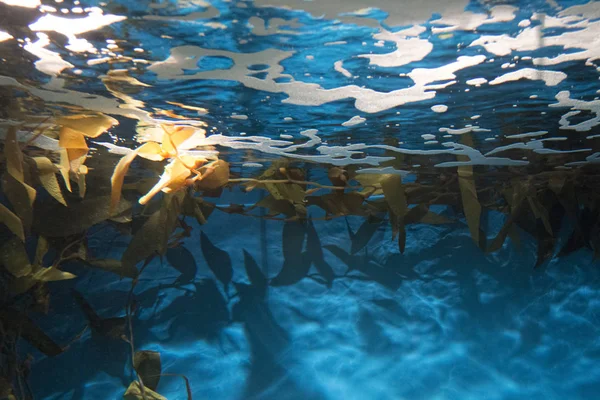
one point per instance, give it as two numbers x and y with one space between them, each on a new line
54 201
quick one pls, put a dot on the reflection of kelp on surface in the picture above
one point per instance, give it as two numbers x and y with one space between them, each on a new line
47 222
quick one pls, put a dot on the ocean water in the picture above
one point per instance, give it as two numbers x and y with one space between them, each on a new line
405 203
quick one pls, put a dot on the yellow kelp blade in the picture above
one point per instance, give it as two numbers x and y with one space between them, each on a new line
65 168
118 176
174 137
47 174
90 125
151 151
71 139
134 392
12 222
219 176
13 154
471 206
174 177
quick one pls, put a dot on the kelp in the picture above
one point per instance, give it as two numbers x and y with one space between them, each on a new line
42 207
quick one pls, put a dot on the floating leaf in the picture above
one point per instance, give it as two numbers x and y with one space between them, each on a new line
134 392
47 175
90 125
12 222
218 260
148 366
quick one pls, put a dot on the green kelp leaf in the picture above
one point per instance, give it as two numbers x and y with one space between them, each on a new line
148 366
371 184
218 260
41 249
12 222
134 392
516 199
415 214
276 207
29 330
52 274
217 179
394 224
115 266
393 192
286 191
255 275
183 261
540 213
339 203
13 257
545 248
51 221
471 206
154 235
314 250
193 207
338 176
432 218
21 196
362 236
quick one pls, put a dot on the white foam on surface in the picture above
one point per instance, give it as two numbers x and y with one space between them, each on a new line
356 120
550 78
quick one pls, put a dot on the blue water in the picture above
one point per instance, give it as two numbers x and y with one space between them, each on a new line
442 321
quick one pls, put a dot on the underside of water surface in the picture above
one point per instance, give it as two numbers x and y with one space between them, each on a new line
293 199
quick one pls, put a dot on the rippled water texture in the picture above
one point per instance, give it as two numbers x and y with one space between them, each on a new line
393 86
